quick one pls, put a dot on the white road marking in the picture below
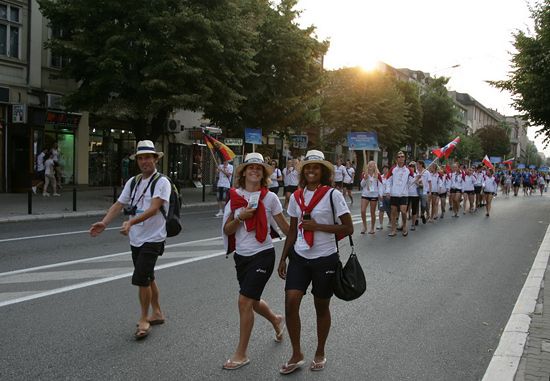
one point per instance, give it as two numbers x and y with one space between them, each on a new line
50 235
59 290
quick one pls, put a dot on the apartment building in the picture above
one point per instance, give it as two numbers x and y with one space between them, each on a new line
477 116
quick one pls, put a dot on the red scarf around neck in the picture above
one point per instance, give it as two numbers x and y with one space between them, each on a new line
307 209
258 221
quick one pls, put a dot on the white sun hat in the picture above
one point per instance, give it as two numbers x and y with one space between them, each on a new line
253 158
146 146
317 157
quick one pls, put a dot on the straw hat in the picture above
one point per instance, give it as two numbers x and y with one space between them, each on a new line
146 146
314 156
253 158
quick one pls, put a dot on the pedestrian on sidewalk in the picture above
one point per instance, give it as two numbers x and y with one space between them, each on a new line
146 228
246 230
225 172
313 254
40 176
49 174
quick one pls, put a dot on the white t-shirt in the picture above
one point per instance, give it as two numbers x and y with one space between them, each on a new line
246 243
339 171
324 244
49 167
426 181
152 229
290 176
40 161
224 181
348 175
372 186
274 182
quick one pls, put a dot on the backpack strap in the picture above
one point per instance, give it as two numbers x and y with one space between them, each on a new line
135 181
154 181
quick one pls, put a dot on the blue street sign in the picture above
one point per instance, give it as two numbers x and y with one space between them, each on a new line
253 136
495 159
521 166
364 140
532 166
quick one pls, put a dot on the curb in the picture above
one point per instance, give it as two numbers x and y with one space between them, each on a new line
91 213
507 356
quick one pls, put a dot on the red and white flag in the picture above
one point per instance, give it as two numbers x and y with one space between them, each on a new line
446 151
509 161
487 162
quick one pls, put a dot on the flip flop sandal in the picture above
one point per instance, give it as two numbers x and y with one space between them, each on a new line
292 367
232 365
279 334
405 234
141 334
317 366
392 234
371 232
156 322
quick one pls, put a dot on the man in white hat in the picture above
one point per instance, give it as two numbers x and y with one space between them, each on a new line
146 228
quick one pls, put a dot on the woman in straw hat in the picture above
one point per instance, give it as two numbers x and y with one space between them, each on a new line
313 254
246 229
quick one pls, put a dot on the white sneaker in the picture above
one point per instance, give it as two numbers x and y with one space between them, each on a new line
56 194
45 194
219 214
34 189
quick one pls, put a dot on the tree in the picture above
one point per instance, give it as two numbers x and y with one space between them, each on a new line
529 80
283 90
410 92
137 60
532 156
494 140
354 100
469 148
439 116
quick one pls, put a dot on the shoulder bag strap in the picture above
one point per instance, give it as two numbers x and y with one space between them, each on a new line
334 219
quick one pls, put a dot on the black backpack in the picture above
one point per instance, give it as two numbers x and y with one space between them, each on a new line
173 223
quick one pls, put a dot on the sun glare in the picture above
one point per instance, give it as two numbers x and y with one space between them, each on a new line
369 65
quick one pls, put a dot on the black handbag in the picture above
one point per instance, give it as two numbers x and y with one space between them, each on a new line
349 280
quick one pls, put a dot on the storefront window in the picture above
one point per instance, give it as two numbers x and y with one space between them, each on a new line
108 150
64 138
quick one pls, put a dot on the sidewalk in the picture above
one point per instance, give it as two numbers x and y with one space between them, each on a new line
90 201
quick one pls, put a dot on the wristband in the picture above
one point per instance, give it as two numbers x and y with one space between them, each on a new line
238 219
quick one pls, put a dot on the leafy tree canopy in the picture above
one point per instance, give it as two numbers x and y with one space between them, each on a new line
439 116
354 100
138 60
529 81
494 140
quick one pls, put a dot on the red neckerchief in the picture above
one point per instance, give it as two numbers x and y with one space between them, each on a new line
258 220
307 209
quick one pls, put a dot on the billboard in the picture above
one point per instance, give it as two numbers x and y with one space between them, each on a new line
365 140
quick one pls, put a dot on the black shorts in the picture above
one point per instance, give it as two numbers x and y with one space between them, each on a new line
145 258
319 272
414 201
477 189
454 190
290 188
254 271
40 175
370 198
399 201
469 192
221 193
442 195
338 184
274 189
348 186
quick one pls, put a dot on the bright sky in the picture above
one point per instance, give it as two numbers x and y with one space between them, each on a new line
427 35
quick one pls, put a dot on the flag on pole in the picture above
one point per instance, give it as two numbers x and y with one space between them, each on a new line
223 151
488 163
447 150
509 162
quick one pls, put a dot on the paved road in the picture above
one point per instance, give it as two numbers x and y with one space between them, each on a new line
436 303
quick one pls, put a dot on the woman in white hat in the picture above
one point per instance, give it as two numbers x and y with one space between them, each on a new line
311 248
246 229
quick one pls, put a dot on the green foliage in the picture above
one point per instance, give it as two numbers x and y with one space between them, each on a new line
282 91
469 148
531 155
529 80
439 116
357 101
494 140
138 60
